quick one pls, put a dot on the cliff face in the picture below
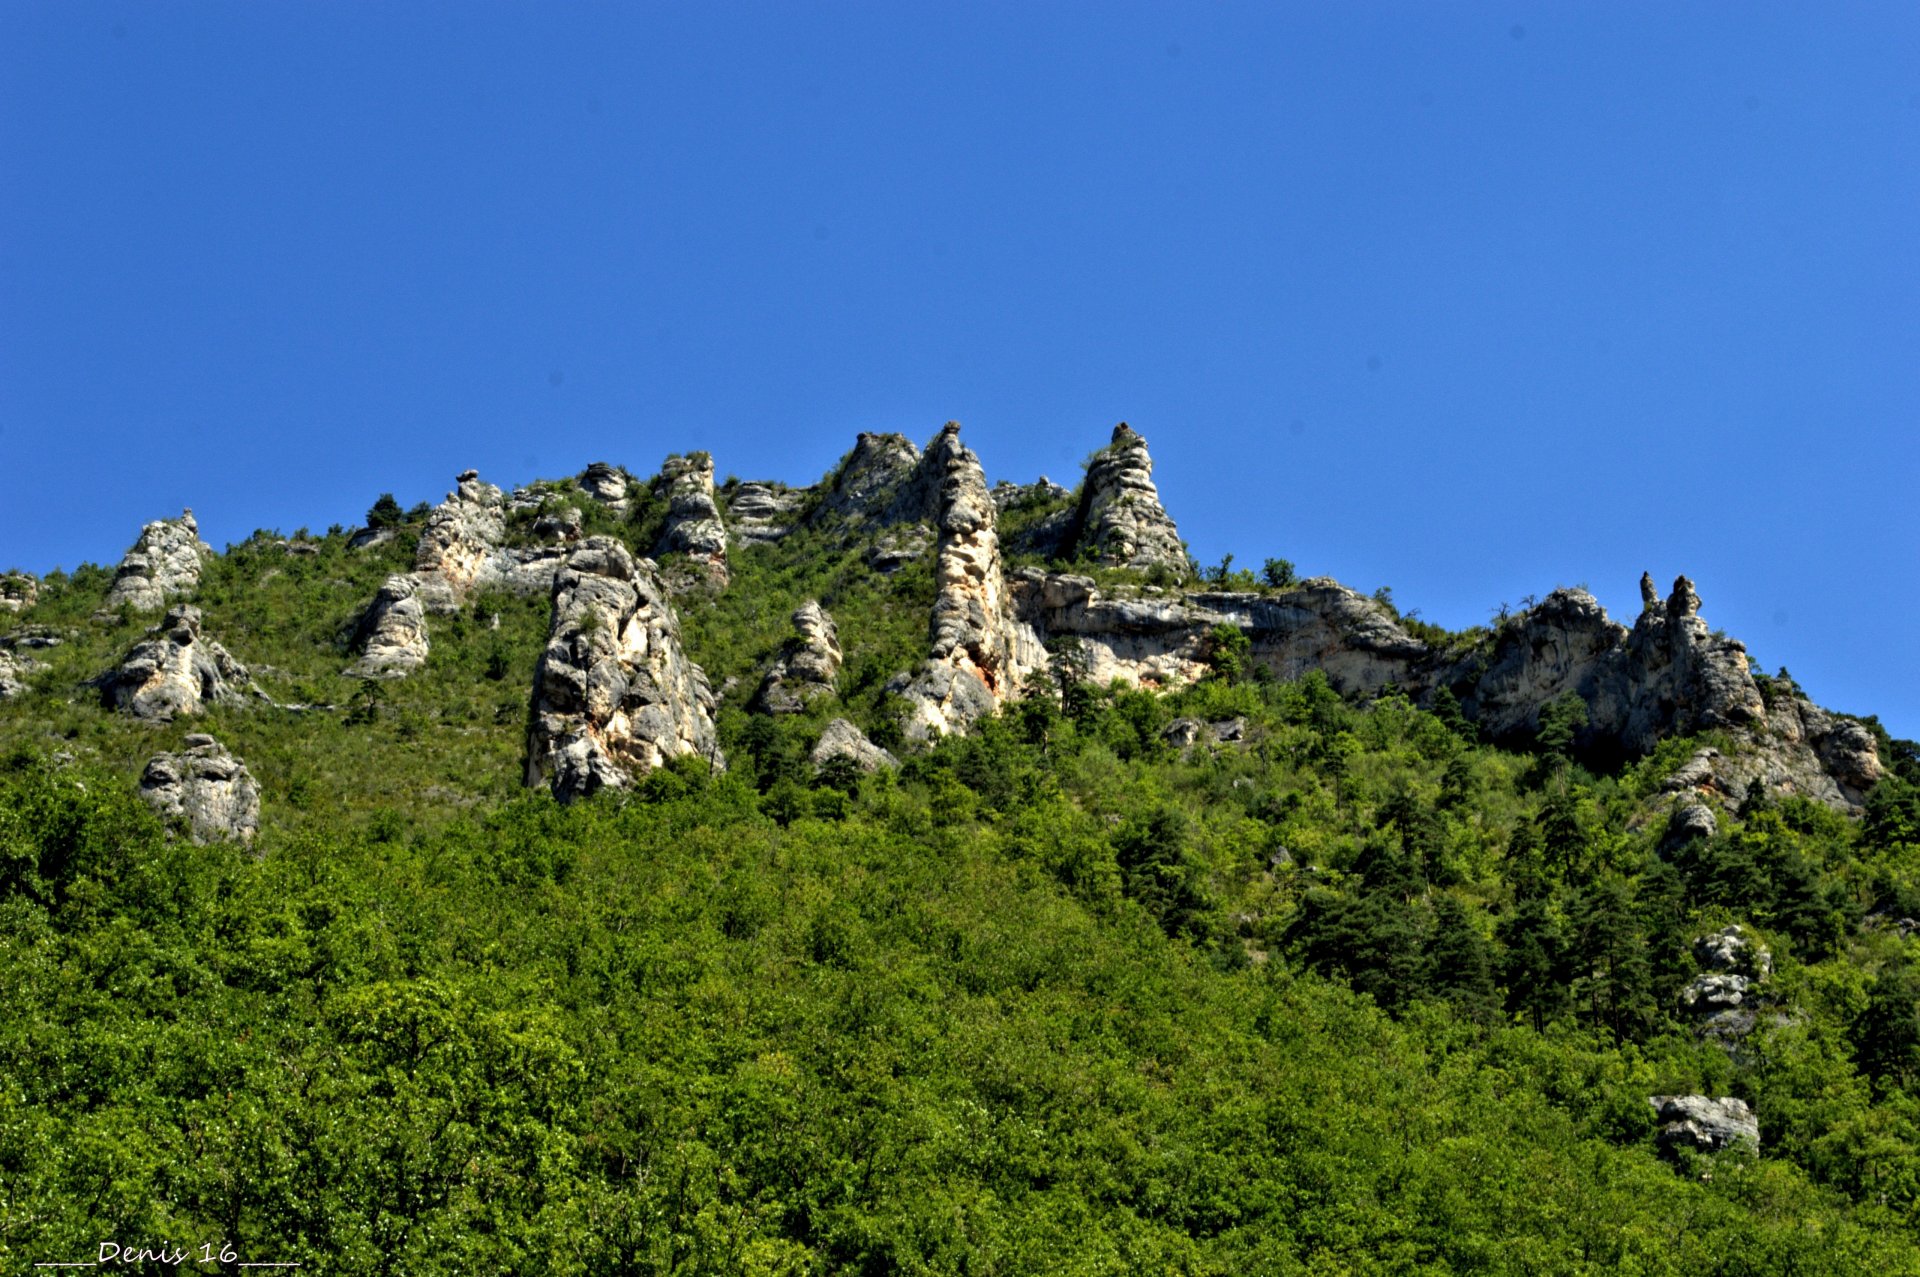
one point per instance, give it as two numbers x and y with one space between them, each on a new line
693 526
615 695
977 657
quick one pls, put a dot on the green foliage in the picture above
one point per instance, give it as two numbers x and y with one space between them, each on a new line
1347 991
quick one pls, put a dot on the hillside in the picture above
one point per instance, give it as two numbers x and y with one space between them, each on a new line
668 873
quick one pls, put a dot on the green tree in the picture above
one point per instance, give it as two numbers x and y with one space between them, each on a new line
385 512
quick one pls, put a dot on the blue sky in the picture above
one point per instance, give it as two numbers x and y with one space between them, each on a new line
1470 300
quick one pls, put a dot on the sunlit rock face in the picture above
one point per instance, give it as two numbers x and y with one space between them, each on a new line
205 789
1121 518
461 553
807 668
977 655
693 525
163 564
176 670
614 695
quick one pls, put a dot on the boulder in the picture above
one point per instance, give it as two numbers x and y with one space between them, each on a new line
392 634
1688 822
175 670
1733 949
1121 519
164 563
807 669
14 670
843 740
19 591
614 695
206 789
1705 1125
606 484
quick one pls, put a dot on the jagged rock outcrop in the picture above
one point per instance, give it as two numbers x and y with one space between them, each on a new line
163 564
1121 518
1668 675
614 695
18 592
1689 821
1704 1125
175 670
559 525
606 484
1184 733
977 658
206 789
843 740
1162 640
870 480
14 671
1724 1000
763 513
808 667
460 553
393 631
693 526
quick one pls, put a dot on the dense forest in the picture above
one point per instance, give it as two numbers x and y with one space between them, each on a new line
1246 972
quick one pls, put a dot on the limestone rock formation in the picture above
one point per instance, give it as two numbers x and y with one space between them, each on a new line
807 668
393 631
1036 518
871 477
14 670
977 659
175 670
1690 820
1121 518
843 740
763 513
18 592
164 563
606 484
1159 641
460 553
615 695
1668 675
205 788
693 526
1705 1125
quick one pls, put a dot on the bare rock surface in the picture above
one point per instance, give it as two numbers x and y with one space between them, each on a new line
14 671
693 526
842 739
1162 640
1705 1125
763 513
1121 518
176 670
206 789
393 631
460 554
977 658
807 669
614 695
870 480
19 591
163 564
606 484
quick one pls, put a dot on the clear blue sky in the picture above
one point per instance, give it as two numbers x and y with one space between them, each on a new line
1466 299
